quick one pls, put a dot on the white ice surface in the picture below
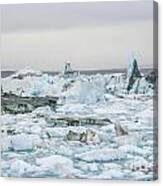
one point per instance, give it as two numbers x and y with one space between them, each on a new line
38 148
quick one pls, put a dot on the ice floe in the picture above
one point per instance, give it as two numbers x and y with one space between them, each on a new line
100 129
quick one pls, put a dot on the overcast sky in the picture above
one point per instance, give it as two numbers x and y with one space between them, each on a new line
95 35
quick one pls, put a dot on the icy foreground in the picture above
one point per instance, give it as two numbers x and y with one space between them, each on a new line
101 129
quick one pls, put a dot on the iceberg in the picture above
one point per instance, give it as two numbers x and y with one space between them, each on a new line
85 92
133 72
83 89
26 72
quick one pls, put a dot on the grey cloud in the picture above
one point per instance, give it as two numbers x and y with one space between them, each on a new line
95 35
67 15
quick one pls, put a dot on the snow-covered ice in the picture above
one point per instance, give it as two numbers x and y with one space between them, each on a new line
37 144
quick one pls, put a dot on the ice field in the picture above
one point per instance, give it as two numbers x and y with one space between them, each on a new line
101 128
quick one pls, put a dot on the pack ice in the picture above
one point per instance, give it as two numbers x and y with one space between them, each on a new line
101 127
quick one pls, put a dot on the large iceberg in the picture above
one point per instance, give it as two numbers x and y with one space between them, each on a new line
85 92
84 89
133 72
